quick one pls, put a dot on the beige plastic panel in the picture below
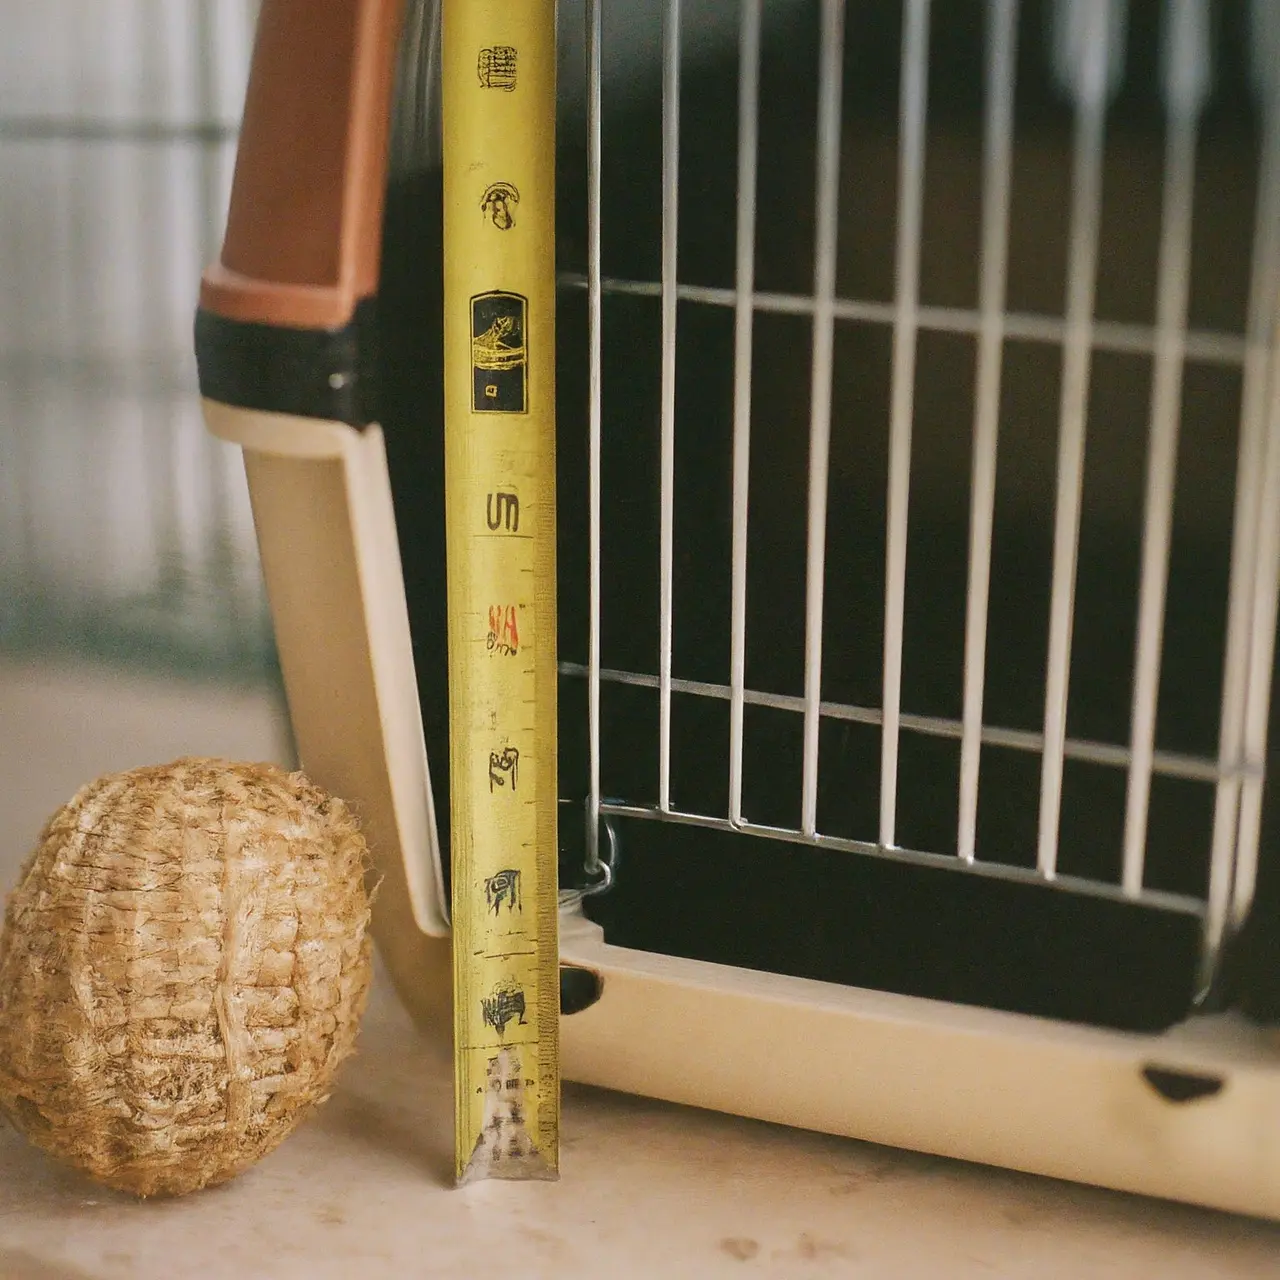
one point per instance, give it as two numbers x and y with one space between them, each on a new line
1000 1089
326 533
1018 1092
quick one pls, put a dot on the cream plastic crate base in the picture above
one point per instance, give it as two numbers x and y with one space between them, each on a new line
1002 1089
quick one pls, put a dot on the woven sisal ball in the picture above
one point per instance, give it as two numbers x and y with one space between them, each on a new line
184 964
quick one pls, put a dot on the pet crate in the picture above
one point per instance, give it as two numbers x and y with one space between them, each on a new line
919 501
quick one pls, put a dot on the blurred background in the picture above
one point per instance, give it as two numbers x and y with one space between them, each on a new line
133 625
125 530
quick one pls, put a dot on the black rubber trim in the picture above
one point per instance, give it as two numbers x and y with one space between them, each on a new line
307 373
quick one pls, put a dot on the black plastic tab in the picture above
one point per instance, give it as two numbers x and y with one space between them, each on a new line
308 373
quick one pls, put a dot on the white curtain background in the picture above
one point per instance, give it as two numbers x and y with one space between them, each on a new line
124 527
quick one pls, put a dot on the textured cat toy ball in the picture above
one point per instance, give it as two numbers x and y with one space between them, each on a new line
184 964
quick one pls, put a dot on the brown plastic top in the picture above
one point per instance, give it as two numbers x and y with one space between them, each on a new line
304 228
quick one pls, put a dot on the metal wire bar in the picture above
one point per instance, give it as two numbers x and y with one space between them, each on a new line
744 315
1002 24
593 430
1086 209
1186 86
1180 903
1167 763
913 109
824 283
1202 345
670 243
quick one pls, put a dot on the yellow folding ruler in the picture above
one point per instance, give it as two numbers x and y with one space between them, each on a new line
498 110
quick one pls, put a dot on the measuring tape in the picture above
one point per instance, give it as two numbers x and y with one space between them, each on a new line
498 109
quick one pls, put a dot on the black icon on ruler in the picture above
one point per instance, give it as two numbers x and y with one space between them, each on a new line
502 510
499 358
504 1003
503 1136
504 634
496 67
504 887
497 203
504 764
